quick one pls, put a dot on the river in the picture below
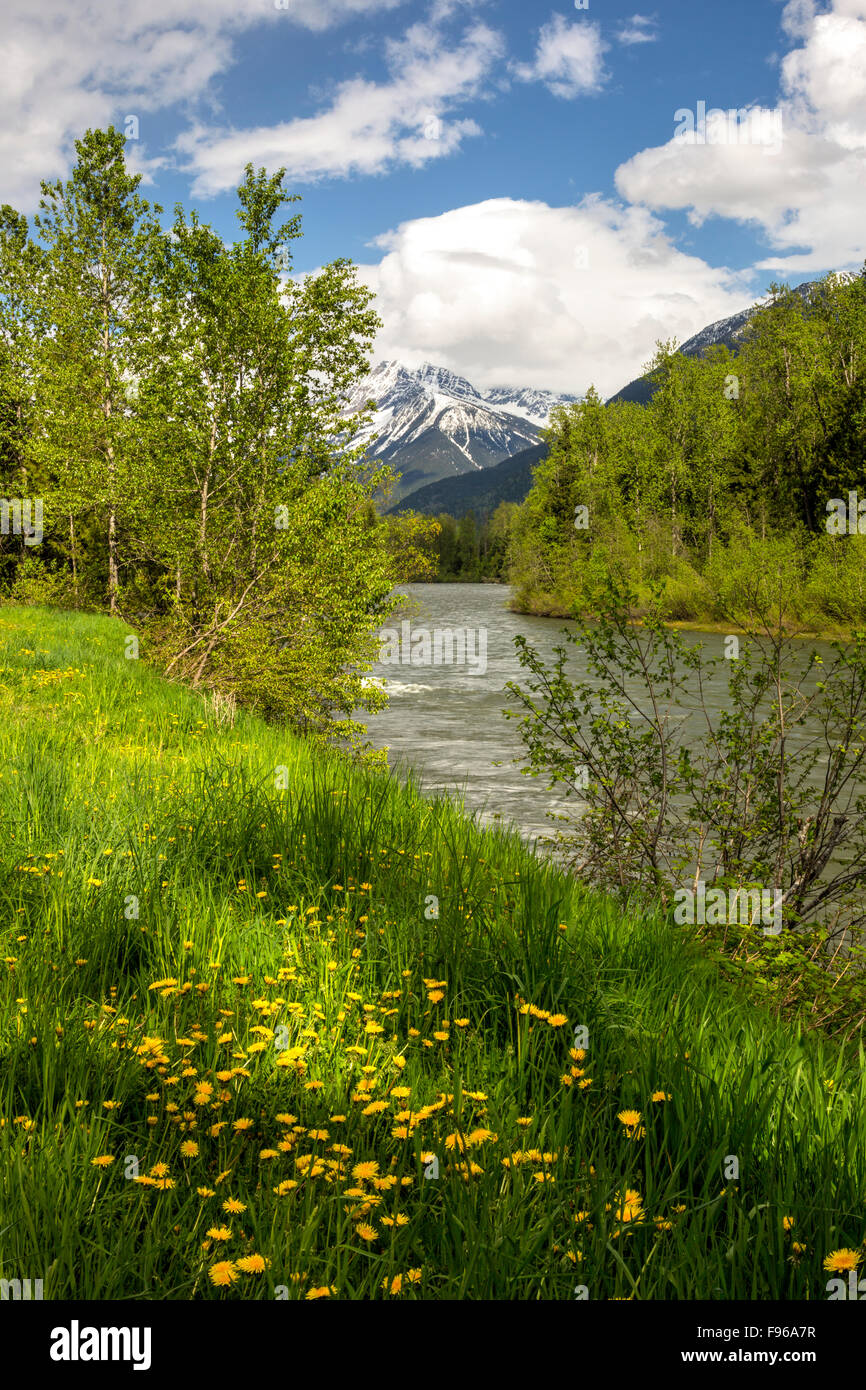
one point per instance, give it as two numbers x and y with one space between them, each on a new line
446 723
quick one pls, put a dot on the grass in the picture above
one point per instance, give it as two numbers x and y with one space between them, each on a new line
234 1037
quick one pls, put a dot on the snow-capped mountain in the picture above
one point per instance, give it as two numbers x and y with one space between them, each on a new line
431 423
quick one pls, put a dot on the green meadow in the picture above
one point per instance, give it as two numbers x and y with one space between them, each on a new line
241 1057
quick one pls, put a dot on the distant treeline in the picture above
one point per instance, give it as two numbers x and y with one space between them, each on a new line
472 550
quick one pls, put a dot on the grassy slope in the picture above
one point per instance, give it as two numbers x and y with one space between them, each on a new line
303 911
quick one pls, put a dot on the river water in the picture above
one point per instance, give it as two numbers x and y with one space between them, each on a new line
446 723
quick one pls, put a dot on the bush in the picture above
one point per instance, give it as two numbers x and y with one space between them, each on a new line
35 585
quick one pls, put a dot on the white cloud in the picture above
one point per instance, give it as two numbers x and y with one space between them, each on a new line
810 196
369 127
826 78
514 292
70 66
322 14
638 29
569 58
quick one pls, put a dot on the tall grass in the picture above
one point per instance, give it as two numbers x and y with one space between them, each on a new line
236 993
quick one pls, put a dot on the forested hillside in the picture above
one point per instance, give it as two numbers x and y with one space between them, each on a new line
738 461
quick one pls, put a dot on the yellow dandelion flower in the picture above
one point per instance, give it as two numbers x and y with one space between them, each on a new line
375 1107
251 1264
233 1205
629 1207
629 1118
219 1232
480 1136
367 1232
189 1148
102 1161
222 1273
842 1259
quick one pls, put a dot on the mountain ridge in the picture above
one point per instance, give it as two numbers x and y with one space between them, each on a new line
722 333
507 481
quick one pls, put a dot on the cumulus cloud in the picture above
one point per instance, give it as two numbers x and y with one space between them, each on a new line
70 66
569 58
809 194
508 291
368 127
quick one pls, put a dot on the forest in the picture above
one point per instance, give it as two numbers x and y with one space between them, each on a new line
740 461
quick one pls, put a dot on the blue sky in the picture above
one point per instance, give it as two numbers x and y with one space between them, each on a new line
506 175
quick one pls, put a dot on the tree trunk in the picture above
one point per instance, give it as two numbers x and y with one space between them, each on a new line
73 558
112 563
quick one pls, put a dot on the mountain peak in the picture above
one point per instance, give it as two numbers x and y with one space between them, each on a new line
432 423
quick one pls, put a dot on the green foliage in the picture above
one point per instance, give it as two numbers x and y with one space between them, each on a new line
34 583
412 541
179 406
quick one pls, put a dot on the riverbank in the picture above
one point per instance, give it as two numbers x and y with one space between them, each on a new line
545 606
275 1025
551 608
